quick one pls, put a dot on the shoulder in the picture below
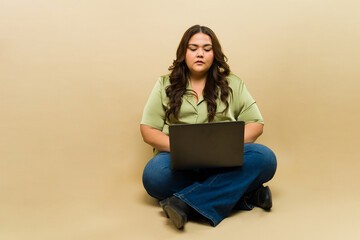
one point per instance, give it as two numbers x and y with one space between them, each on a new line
235 82
164 80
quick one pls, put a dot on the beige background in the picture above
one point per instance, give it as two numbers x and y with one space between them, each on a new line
74 78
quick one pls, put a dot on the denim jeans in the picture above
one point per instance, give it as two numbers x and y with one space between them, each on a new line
213 193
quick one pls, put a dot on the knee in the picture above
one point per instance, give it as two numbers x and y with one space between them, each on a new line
261 157
155 175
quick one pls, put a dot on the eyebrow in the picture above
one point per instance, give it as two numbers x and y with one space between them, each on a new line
195 45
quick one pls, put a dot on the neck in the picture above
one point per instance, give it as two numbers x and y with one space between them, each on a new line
198 77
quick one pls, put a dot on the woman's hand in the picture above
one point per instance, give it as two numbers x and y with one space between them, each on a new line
252 132
155 138
160 140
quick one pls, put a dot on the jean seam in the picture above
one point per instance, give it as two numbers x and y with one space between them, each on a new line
190 190
213 179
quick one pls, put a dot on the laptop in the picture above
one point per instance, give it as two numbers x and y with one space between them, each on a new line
206 145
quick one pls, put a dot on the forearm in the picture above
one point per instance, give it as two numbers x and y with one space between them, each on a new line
252 132
155 138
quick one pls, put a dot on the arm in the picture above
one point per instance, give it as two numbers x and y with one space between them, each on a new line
252 132
155 138
247 111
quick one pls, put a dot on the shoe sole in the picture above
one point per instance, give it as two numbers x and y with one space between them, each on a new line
163 203
177 219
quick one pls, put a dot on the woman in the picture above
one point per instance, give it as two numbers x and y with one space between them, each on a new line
200 89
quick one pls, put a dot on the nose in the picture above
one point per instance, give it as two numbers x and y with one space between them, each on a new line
200 52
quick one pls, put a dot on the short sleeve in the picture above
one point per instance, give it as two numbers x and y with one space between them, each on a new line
154 111
249 111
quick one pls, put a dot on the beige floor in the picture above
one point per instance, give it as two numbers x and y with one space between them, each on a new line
310 202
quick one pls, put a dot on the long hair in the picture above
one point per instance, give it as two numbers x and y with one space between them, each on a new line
215 80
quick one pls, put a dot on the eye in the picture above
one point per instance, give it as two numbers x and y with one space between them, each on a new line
192 49
208 49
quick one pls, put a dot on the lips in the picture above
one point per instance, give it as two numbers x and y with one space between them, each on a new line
199 62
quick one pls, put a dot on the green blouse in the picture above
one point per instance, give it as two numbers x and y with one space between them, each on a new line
242 107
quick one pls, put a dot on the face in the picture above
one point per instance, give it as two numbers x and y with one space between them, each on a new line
199 54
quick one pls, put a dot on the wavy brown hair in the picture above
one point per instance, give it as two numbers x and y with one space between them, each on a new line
215 80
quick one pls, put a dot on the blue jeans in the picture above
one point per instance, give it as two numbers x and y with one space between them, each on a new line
211 192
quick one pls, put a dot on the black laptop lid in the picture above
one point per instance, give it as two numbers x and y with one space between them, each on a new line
206 145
